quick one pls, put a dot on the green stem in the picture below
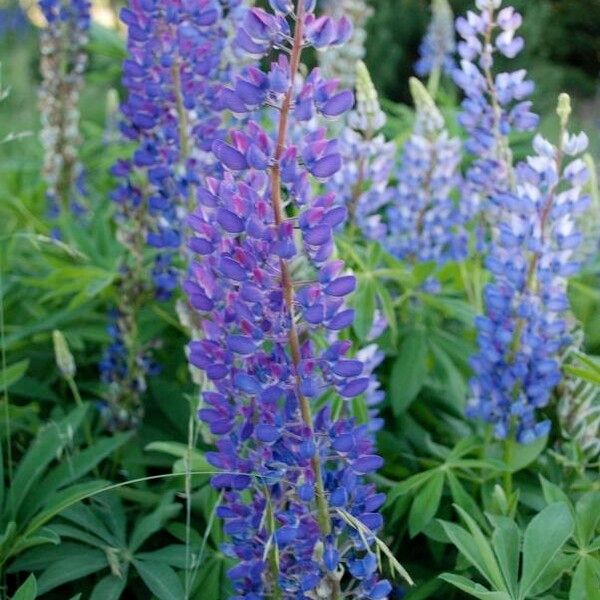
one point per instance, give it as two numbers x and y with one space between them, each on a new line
9 458
87 432
508 476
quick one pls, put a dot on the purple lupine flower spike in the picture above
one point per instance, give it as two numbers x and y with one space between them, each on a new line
292 474
425 222
361 185
524 329
436 53
495 105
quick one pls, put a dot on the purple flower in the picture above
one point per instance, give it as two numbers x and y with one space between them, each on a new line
524 328
436 53
495 104
425 221
174 77
288 466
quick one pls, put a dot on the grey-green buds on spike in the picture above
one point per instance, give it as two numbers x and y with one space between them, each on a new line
62 354
368 115
564 109
429 117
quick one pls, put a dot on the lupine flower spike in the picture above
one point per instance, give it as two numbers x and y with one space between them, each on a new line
173 75
436 53
524 330
495 105
361 184
292 473
426 222
62 65
340 62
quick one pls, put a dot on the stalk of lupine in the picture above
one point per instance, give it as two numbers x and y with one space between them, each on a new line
532 256
495 104
173 76
290 468
62 65
436 52
340 63
425 222
361 184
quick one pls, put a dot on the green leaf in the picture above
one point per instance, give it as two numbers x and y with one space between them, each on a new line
472 588
75 468
461 497
387 307
543 540
363 302
37 559
552 493
409 371
506 542
86 561
484 549
179 450
586 580
587 518
426 504
173 555
40 538
523 455
153 522
408 485
161 579
52 439
63 500
28 591
561 563
109 588
13 373
89 520
466 545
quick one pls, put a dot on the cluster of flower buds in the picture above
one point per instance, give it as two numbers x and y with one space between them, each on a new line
368 159
292 468
340 62
426 222
524 330
436 53
62 65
